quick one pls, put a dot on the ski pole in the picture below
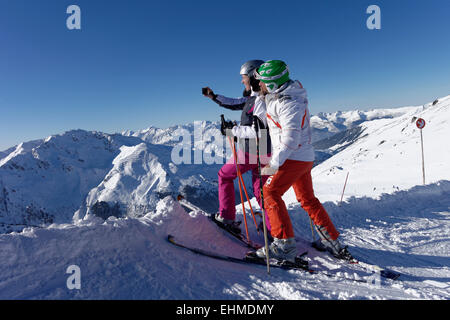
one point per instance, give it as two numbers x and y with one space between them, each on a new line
240 188
343 190
223 128
266 242
239 174
241 179
312 229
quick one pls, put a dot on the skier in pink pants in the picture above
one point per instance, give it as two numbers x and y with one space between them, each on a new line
251 105
227 174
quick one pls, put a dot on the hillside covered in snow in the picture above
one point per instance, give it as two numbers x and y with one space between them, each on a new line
106 203
69 176
386 155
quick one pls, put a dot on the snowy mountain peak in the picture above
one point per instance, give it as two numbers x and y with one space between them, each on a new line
385 217
53 178
325 125
49 180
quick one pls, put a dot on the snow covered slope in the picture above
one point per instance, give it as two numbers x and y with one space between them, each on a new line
131 258
143 174
325 124
82 172
388 218
46 181
386 156
328 129
200 131
49 180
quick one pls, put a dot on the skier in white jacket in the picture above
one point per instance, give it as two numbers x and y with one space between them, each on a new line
291 163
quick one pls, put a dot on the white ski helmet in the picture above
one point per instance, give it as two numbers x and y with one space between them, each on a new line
251 65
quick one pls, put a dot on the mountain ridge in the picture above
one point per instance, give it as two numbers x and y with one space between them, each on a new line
63 177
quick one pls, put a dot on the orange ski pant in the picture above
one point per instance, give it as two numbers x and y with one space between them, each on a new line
298 175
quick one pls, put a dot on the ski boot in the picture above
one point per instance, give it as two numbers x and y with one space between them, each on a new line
280 249
325 243
233 226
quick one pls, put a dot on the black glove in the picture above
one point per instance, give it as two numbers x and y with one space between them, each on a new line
246 93
207 92
226 125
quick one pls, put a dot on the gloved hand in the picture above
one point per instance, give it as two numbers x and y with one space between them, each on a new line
226 128
268 171
207 92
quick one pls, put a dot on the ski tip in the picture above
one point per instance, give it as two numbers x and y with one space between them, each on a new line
180 197
301 255
390 274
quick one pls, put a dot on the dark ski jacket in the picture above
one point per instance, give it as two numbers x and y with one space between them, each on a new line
247 105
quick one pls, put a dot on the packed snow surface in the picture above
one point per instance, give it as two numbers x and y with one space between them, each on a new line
131 259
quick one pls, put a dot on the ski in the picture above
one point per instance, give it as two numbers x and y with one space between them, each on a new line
238 236
299 263
385 273
250 258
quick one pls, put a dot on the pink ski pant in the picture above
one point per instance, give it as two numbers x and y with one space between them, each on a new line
227 175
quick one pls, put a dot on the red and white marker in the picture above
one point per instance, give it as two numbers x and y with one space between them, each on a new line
420 123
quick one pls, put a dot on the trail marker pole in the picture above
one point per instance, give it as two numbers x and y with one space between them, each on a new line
420 123
345 184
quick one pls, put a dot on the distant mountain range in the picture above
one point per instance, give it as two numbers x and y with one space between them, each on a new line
79 174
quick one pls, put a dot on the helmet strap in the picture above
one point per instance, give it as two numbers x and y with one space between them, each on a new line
254 84
271 86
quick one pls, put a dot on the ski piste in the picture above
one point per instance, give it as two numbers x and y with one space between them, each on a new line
383 272
238 236
300 264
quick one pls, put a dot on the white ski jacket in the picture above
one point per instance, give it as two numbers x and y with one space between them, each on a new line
289 124
249 132
251 106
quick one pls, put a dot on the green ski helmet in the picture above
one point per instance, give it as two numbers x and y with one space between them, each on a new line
274 73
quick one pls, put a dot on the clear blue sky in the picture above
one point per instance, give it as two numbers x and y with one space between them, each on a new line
137 63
